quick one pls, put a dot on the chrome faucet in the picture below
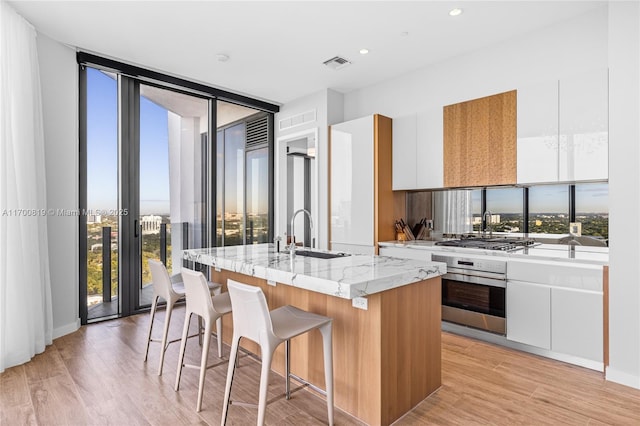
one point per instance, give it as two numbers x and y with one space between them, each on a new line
488 224
292 245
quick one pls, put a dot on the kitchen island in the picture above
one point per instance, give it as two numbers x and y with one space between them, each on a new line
386 321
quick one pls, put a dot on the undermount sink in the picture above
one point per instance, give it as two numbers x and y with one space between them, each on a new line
320 254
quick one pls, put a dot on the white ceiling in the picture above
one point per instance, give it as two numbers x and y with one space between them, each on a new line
276 49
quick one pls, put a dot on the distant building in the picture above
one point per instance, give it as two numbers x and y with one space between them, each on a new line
151 224
94 218
495 218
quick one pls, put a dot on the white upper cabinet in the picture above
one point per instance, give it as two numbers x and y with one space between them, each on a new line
538 133
563 129
417 151
404 152
429 150
352 182
584 141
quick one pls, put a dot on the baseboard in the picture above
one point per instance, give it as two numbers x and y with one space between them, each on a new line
622 378
66 329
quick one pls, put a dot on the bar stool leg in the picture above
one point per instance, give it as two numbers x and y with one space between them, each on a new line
327 351
233 359
219 333
203 362
183 345
152 315
165 333
267 355
287 368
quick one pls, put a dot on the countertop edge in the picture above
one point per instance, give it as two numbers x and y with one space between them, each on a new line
378 275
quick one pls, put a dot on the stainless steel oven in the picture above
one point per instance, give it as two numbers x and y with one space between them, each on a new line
474 292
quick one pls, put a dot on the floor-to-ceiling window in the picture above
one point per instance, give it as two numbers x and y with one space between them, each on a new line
243 176
154 177
102 224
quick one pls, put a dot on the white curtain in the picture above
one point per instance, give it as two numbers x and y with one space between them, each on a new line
25 289
452 212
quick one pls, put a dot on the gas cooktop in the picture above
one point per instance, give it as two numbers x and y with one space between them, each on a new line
501 244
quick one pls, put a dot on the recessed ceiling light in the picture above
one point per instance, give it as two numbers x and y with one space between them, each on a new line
221 57
455 12
364 51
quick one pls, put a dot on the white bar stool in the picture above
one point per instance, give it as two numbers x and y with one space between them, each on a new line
210 309
164 287
252 319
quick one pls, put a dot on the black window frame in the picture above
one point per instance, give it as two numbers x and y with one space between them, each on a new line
525 202
177 84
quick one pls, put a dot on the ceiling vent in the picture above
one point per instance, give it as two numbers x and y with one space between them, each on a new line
297 120
337 62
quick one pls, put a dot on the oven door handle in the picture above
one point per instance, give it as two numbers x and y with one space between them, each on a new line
474 279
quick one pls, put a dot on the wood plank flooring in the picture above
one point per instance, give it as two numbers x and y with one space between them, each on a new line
96 376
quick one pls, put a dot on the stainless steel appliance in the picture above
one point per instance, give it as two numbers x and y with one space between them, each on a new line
499 243
474 292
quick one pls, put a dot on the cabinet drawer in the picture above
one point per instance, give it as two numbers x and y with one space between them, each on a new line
584 277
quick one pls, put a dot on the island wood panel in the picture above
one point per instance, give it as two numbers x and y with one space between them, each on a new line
386 359
480 138
417 347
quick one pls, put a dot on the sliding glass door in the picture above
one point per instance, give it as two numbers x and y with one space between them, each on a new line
147 186
155 179
173 167
101 224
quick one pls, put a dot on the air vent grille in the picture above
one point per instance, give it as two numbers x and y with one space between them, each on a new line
297 120
257 132
337 62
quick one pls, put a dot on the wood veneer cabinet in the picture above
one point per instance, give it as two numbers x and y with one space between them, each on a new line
480 141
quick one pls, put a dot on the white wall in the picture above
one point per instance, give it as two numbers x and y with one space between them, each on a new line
624 193
59 82
549 54
328 106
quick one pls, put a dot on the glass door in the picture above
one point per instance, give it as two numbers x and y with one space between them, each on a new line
146 187
100 219
173 188
155 180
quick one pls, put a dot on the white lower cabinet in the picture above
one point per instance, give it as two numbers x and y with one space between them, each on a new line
529 314
558 308
577 324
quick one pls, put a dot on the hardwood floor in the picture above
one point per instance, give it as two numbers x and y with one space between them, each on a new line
96 376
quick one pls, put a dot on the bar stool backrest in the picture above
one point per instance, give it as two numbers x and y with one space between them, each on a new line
197 293
251 317
161 280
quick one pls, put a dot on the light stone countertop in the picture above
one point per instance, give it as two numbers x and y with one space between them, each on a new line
347 277
556 252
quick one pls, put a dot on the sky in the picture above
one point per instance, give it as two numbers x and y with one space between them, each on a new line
102 148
